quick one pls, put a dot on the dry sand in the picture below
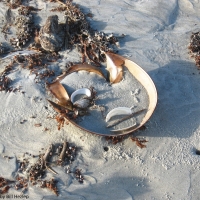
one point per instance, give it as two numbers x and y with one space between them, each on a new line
157 36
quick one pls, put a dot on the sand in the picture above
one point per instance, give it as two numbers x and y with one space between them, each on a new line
157 35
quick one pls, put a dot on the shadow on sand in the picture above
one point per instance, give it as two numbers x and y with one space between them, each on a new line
178 109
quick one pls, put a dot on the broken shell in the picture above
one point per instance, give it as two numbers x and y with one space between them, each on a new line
114 66
118 111
82 103
82 91
80 67
60 93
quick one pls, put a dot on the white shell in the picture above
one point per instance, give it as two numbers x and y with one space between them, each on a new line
83 91
118 111
112 67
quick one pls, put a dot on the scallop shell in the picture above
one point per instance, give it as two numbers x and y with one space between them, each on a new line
82 103
82 91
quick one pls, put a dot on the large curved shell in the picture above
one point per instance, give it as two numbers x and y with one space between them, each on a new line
147 83
84 67
114 66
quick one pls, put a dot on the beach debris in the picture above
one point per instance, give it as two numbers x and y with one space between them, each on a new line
35 173
118 111
26 10
139 142
114 123
24 28
19 55
38 125
114 66
82 91
51 185
13 4
61 159
91 44
52 34
194 47
66 154
57 89
115 139
5 185
3 182
5 83
79 106
82 67
21 183
79 175
5 189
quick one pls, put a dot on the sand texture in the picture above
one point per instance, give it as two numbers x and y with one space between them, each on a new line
157 35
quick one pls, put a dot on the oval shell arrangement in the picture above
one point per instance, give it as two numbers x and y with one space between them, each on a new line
83 98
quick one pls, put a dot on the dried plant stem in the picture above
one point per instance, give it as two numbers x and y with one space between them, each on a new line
51 170
63 152
45 158
124 118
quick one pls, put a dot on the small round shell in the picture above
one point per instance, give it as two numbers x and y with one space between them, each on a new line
82 91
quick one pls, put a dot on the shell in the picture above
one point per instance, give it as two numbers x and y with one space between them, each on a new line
82 91
118 111
60 93
82 103
114 66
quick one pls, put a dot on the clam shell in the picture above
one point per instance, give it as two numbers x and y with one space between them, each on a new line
82 103
82 91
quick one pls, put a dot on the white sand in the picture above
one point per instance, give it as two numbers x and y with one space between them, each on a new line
158 34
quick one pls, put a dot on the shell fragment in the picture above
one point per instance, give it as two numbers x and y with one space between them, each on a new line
118 111
82 91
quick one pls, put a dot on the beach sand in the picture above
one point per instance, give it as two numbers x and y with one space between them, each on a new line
157 34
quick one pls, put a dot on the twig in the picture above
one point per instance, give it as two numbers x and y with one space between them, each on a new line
63 152
45 158
124 118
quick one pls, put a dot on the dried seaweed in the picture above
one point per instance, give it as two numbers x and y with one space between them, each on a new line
139 142
114 139
91 44
194 47
51 185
